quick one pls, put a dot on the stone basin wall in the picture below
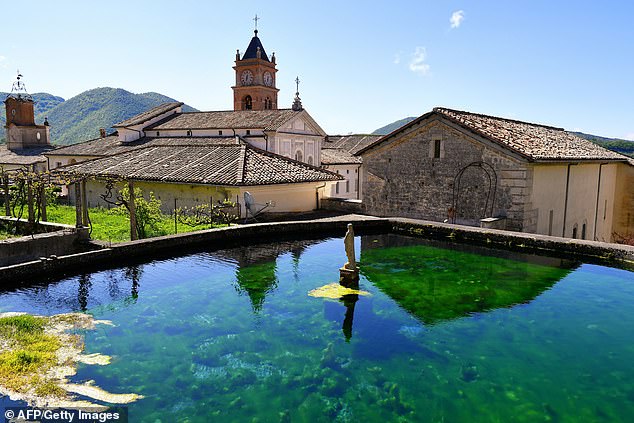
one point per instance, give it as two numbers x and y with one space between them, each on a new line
52 239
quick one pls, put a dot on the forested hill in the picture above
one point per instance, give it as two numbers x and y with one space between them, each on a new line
615 144
79 118
384 130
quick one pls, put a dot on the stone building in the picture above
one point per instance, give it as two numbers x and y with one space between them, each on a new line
461 167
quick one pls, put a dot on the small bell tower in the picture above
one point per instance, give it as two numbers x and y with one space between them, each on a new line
255 77
21 130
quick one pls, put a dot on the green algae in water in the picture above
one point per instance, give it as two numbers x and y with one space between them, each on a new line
436 284
217 337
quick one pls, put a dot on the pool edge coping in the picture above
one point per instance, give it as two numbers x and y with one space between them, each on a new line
614 255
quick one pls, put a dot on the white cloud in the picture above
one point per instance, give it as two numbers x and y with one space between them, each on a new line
417 64
397 58
630 136
456 18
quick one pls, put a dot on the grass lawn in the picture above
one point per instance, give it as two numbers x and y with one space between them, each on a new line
4 234
113 227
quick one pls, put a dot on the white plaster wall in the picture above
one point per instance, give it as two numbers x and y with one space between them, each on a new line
286 197
623 220
352 173
186 195
549 193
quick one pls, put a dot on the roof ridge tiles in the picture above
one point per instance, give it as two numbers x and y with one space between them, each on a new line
235 111
440 110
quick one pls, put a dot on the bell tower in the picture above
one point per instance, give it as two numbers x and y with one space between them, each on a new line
21 130
255 78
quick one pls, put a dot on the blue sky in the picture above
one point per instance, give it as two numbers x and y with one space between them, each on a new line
362 64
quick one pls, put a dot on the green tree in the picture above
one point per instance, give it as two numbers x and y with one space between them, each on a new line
147 211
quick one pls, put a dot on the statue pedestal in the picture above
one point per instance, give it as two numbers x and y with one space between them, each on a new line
349 277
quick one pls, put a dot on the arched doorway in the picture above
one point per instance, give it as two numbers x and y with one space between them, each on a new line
473 194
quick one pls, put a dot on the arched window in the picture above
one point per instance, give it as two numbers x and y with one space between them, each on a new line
298 155
270 104
248 103
310 160
267 103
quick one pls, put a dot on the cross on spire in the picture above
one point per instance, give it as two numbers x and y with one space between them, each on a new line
256 19
297 104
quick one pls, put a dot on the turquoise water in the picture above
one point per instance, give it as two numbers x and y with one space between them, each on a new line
447 335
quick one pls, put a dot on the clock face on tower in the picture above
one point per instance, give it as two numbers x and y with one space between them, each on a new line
268 79
246 78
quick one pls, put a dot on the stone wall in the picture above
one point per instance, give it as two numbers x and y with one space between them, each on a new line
402 177
55 239
341 204
246 235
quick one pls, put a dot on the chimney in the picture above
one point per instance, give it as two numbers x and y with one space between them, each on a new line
102 132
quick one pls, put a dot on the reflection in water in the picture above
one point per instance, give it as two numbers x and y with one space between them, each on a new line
134 273
82 292
436 284
349 302
255 274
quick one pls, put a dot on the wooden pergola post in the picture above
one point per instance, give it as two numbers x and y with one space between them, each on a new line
29 200
132 206
84 204
7 196
78 214
43 217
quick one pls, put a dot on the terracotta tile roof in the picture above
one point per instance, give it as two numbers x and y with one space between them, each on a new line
261 119
145 116
26 156
350 143
340 149
538 142
331 156
202 161
95 147
531 140
110 145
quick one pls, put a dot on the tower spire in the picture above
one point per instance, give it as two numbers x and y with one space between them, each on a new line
18 89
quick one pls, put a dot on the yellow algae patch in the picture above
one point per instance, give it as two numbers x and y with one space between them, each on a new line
39 353
96 358
95 392
335 291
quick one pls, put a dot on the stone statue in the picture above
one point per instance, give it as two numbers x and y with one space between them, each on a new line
348 242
